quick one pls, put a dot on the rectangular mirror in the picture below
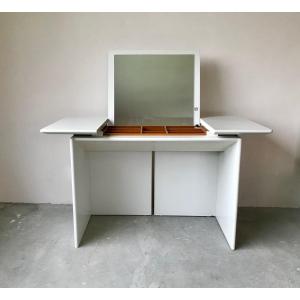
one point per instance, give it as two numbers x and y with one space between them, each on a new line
154 88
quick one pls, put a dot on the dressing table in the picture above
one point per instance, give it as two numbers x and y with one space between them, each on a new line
153 154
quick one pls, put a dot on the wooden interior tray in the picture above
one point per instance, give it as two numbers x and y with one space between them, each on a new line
122 130
154 130
186 130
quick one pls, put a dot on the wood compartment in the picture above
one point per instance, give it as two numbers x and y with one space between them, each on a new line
154 130
186 130
122 130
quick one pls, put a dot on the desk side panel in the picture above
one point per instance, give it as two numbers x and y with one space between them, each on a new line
80 190
227 191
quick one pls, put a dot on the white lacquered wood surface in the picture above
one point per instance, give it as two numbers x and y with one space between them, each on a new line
227 191
114 143
232 125
192 176
185 183
80 190
120 182
89 125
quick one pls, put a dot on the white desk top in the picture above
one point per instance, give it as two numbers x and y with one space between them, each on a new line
89 125
226 125
232 125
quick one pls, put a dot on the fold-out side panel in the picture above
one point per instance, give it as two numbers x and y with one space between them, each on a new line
227 191
91 125
231 125
80 190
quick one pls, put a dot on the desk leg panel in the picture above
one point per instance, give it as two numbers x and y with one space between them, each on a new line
80 190
227 195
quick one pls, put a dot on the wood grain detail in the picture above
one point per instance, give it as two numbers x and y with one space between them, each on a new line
154 130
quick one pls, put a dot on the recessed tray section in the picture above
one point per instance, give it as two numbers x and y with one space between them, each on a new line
122 130
154 130
186 130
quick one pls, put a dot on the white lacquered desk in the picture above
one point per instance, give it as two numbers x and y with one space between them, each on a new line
155 175
185 176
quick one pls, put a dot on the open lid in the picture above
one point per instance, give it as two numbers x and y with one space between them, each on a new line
154 88
231 125
90 126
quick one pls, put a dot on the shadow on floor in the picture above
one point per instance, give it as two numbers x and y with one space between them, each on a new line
267 226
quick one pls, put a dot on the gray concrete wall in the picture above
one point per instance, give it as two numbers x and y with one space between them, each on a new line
55 65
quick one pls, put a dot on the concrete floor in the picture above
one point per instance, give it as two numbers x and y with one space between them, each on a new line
36 250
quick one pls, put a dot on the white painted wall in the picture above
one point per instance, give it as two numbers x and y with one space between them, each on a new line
55 65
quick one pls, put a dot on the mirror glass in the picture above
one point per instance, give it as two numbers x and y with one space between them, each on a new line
154 89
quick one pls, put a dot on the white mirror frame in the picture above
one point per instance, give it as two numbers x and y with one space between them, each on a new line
111 91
